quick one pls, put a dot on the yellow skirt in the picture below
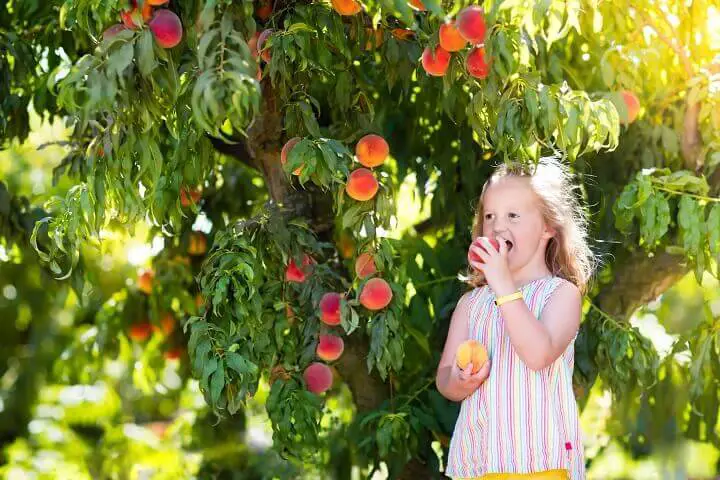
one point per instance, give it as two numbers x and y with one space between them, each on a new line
546 475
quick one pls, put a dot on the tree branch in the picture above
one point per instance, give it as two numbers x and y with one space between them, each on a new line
639 279
238 150
676 46
691 144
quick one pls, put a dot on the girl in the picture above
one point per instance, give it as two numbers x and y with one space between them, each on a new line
518 417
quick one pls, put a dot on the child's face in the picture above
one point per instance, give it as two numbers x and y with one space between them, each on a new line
512 210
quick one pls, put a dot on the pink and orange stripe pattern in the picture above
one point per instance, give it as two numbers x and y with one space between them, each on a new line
519 420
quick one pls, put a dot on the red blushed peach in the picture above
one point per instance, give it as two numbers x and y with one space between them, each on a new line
402 33
437 63
293 273
145 281
198 244
473 257
189 196
362 185
346 7
253 44
330 347
264 10
376 294
417 5
476 64
159 429
372 150
289 314
140 331
450 38
166 28
264 52
174 353
127 19
330 308
633 106
375 38
199 302
365 265
110 33
471 24
167 324
346 245
318 377
147 12
286 151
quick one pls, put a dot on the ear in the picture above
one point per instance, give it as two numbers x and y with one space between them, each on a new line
548 232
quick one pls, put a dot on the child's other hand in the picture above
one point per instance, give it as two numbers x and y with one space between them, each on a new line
465 377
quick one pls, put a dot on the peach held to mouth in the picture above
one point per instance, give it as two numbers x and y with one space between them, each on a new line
473 257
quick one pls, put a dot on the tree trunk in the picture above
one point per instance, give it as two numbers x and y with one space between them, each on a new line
638 280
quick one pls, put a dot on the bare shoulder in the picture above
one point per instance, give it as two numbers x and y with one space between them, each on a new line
465 300
567 291
565 302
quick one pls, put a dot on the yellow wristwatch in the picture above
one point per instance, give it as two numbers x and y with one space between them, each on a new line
508 298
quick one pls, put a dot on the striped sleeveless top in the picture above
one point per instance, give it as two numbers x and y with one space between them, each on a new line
518 420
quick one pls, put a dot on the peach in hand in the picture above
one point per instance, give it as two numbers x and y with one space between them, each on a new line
471 351
474 257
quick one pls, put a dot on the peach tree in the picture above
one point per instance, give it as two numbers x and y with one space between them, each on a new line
299 133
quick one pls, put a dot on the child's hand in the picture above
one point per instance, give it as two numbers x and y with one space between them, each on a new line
465 377
493 263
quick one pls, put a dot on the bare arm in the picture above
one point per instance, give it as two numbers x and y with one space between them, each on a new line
540 343
452 382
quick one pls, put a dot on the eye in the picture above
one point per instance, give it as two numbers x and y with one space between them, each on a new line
513 215
488 216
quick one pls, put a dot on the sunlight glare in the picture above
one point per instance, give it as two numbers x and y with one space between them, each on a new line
713 27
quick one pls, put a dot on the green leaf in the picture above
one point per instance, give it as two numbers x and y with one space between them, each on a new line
684 181
713 229
145 55
217 382
236 362
655 215
121 59
309 120
624 208
208 368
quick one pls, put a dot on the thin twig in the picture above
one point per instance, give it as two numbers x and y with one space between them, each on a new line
676 192
676 46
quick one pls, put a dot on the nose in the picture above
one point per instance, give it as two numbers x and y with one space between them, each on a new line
499 233
499 226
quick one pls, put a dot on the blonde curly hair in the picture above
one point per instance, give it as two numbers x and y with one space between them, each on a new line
568 254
